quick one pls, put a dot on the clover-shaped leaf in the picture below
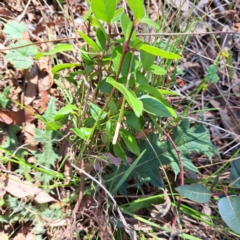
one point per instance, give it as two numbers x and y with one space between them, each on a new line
212 74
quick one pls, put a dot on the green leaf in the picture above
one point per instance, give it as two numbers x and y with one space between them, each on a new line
61 47
235 172
118 151
95 111
158 52
149 89
53 125
65 111
101 39
82 132
188 140
155 107
63 66
126 25
195 192
133 121
130 141
148 21
50 112
21 57
157 70
89 41
117 15
127 173
132 100
4 101
104 9
137 7
212 74
229 210
168 92
147 59
14 29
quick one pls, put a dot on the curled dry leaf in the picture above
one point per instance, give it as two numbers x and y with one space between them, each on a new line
23 189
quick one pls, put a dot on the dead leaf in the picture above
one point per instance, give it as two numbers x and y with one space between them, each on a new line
31 79
5 13
43 103
18 117
45 79
29 134
23 189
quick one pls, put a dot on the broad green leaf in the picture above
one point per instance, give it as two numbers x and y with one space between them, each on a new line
14 29
127 173
149 89
148 21
82 132
235 172
155 107
134 122
229 208
104 9
130 141
212 74
188 140
137 7
53 125
158 52
95 111
132 100
147 60
22 57
126 25
61 47
140 78
157 70
135 42
4 101
117 15
89 41
65 111
195 192
63 66
96 23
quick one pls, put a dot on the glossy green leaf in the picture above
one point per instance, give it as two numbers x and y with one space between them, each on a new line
158 52
83 132
53 126
195 192
130 141
157 70
65 111
89 41
101 39
132 100
104 9
63 66
135 42
137 7
147 60
229 208
61 47
148 21
126 25
117 15
156 107
235 172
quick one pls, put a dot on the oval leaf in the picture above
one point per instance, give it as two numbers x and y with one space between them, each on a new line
157 70
130 141
158 52
229 210
104 9
195 192
132 100
137 7
63 66
89 41
83 132
156 107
